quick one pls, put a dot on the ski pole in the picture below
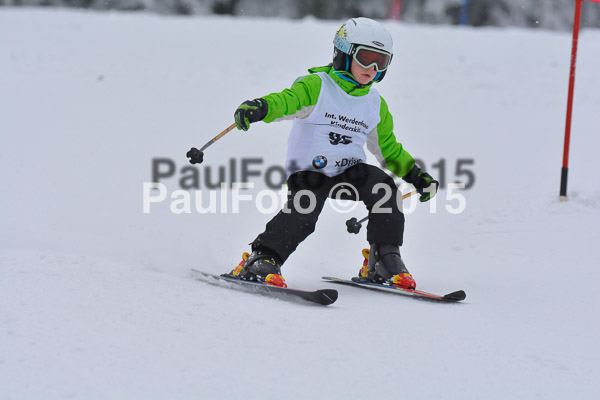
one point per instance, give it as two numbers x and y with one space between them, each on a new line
353 225
197 156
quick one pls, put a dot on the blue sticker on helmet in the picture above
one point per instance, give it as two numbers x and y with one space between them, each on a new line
342 44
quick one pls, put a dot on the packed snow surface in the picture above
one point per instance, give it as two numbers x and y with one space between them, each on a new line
96 300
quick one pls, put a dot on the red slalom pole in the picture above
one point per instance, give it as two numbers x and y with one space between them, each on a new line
576 24
396 10
565 164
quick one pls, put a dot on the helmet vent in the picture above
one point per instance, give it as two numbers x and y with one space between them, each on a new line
378 43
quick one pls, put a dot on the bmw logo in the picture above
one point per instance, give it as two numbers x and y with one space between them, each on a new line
319 162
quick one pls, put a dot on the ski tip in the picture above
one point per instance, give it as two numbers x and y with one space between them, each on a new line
459 295
328 296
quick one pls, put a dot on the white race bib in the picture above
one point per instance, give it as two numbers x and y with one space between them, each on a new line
332 137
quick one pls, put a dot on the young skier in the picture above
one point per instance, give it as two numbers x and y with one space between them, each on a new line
335 111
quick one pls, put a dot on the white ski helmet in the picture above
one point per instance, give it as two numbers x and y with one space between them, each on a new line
357 33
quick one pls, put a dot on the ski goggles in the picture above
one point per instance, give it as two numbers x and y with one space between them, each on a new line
368 56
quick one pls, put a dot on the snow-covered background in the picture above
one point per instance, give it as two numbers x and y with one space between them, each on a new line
96 301
545 14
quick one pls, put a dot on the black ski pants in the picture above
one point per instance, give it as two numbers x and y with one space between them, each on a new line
298 218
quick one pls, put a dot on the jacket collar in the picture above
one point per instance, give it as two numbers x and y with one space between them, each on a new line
344 80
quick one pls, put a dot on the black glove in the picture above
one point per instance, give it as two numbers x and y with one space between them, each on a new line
422 181
250 111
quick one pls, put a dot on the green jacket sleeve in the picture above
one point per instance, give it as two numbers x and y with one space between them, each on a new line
296 102
382 142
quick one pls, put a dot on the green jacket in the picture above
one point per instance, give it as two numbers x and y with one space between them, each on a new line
303 95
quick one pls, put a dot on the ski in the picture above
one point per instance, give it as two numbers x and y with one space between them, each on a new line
323 297
453 297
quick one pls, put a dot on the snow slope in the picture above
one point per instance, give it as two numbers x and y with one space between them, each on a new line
95 297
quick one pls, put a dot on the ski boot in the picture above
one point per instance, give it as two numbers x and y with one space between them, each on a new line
383 264
261 266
